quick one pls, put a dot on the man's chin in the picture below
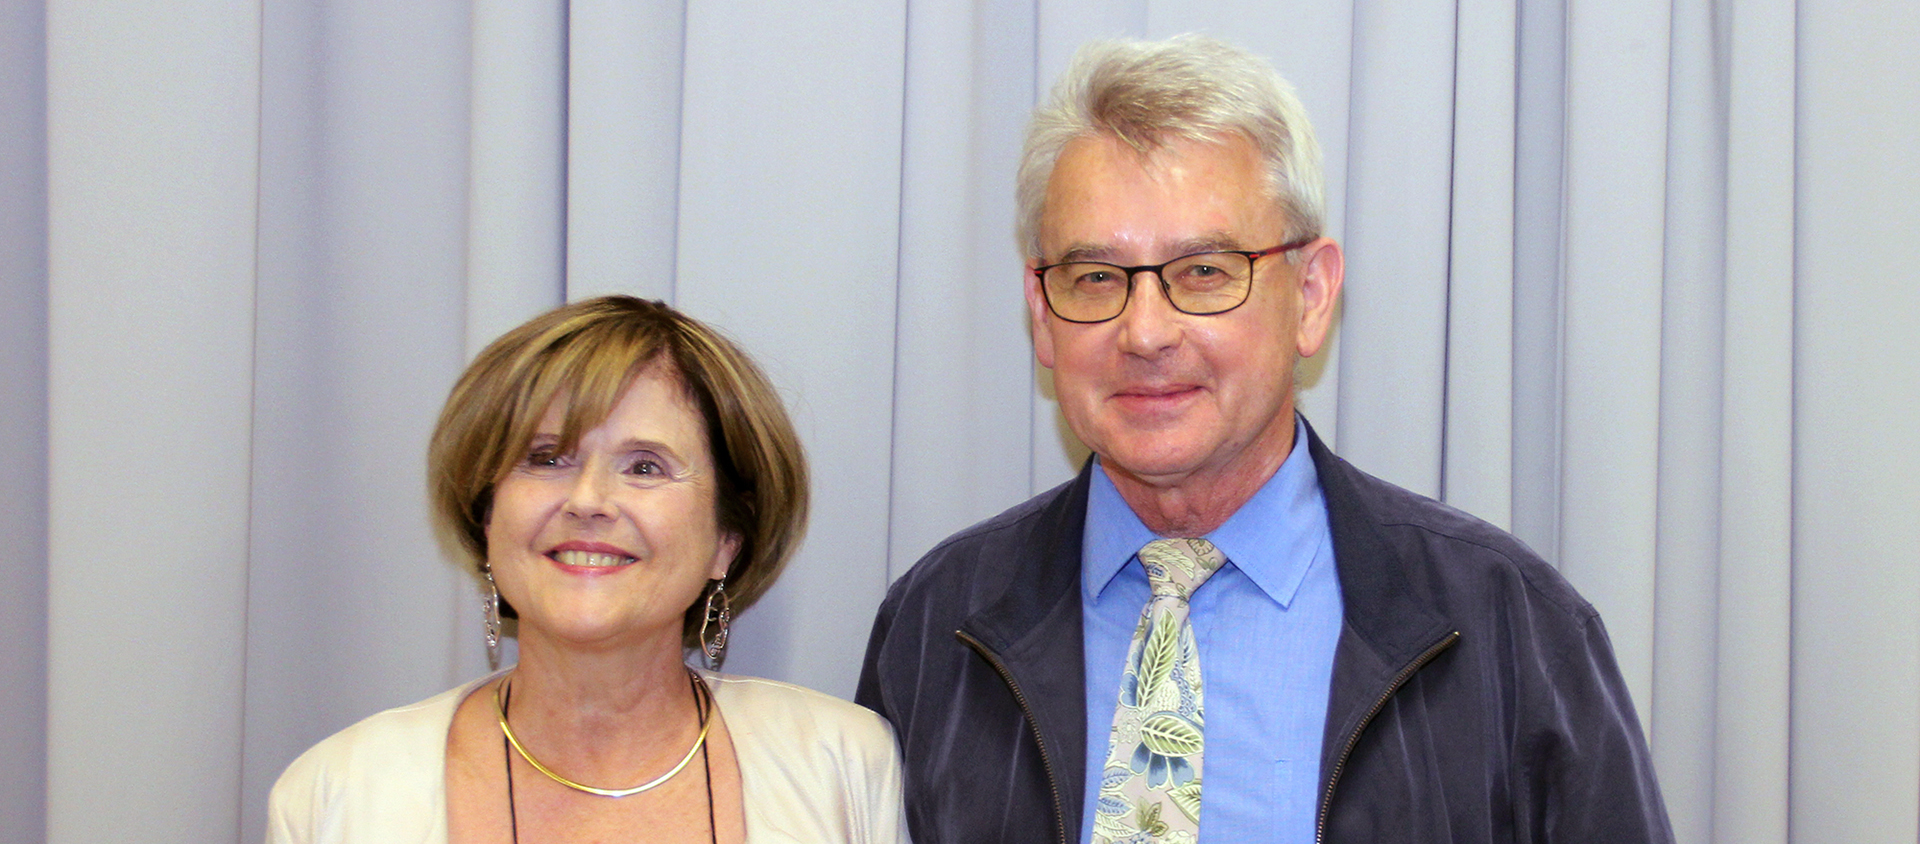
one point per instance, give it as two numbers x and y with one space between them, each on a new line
1150 462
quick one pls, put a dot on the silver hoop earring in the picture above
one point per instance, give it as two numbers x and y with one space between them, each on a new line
719 613
490 611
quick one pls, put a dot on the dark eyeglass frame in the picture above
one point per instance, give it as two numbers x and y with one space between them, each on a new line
1166 289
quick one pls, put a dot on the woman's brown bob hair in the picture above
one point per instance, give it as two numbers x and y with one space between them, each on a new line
585 354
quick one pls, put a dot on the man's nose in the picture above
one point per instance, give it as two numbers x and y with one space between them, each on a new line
1150 324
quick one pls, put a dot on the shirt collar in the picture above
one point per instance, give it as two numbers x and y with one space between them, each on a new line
1273 538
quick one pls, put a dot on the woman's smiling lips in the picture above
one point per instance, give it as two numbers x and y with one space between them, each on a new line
579 557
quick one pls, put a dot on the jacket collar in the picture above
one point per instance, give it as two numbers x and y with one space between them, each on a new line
1034 629
1389 624
1382 598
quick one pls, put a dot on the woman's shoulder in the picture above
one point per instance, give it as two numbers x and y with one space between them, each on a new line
393 731
760 703
774 699
818 768
395 758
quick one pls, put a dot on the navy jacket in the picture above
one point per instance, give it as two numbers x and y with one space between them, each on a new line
1474 696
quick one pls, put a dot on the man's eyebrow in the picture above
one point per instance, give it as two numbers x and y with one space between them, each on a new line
1087 252
1210 242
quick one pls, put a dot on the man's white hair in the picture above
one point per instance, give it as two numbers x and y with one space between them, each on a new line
1150 94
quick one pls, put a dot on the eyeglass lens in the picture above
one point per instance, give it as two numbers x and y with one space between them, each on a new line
1208 283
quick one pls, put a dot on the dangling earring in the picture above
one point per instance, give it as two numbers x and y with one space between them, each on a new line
490 610
719 613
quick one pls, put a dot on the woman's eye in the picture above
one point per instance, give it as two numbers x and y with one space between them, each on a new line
543 458
646 467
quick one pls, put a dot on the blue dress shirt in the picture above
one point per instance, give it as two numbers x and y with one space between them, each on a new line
1266 625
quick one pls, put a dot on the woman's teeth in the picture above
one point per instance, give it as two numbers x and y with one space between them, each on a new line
590 559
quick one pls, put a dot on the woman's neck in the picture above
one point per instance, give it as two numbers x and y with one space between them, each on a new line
602 716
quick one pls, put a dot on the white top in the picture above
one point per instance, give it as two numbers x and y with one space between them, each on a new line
813 768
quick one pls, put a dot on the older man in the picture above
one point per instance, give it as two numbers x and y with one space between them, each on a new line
1377 667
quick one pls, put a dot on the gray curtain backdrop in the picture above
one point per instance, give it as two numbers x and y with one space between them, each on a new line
1634 278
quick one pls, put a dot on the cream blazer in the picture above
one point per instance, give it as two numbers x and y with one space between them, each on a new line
813 768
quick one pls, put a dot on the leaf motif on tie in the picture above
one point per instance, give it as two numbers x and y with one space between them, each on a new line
1150 822
1170 735
1157 656
1186 798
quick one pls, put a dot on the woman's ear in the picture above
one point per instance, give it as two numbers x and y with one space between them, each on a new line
723 556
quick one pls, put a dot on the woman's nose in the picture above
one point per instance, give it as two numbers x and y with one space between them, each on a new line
588 496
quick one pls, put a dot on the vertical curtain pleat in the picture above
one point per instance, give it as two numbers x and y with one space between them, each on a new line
961 329
1616 143
1477 446
622 147
1394 328
23 420
1753 671
150 208
1680 711
1855 705
517 166
1539 199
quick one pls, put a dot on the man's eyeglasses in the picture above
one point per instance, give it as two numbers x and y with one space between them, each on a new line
1200 284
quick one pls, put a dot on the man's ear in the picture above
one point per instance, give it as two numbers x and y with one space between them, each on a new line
1037 318
1321 274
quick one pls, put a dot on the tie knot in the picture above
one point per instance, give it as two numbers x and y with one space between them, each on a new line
1176 567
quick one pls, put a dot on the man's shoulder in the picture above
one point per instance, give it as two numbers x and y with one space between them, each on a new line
991 550
1447 548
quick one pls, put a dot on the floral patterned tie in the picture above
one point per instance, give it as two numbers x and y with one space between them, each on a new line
1150 788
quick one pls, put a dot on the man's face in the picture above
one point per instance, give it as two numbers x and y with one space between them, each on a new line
1160 395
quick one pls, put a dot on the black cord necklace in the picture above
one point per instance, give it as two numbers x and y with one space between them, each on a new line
702 704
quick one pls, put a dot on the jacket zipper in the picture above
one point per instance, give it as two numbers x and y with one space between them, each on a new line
1340 765
1046 763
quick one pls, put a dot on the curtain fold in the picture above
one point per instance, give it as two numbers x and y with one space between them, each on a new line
622 162
1631 278
23 419
1750 751
517 163
1477 449
150 266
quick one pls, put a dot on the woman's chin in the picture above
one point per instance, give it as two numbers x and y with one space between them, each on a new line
585 634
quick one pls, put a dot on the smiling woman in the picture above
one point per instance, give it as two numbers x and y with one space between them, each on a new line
623 479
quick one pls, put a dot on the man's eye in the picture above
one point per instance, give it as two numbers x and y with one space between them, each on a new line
1098 277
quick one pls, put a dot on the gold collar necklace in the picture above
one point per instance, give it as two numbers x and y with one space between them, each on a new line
703 703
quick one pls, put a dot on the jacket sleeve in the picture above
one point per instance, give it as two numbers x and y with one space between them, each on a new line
1585 773
868 692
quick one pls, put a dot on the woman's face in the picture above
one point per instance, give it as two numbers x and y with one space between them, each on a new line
610 544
